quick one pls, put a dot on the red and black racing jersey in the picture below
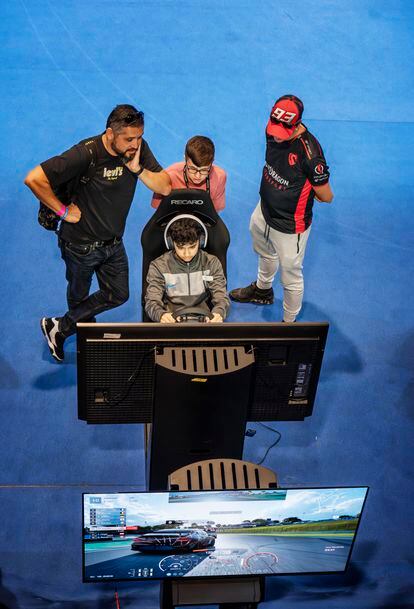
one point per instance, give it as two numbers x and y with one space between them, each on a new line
290 171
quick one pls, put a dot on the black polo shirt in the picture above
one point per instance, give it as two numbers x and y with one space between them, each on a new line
106 198
290 171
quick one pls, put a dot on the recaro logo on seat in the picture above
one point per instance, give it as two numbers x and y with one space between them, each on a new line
186 201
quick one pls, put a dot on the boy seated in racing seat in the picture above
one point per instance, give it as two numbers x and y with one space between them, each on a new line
182 282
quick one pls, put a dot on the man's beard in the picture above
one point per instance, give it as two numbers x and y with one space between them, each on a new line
124 155
125 158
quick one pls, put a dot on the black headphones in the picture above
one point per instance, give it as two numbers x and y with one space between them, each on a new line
169 242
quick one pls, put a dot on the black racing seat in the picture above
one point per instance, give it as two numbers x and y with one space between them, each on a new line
182 201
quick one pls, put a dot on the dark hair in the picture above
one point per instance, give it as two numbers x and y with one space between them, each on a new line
185 231
125 115
200 150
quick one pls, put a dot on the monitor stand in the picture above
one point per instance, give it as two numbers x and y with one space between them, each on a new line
229 593
200 407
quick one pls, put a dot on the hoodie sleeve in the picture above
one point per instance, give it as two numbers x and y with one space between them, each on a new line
154 304
217 287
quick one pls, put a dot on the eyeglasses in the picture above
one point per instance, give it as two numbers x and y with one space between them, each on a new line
134 117
194 170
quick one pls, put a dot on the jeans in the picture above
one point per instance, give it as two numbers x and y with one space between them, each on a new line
110 263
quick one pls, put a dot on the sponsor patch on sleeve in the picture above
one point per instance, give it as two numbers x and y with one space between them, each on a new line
320 173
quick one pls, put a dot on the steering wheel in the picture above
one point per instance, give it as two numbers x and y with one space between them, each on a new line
191 317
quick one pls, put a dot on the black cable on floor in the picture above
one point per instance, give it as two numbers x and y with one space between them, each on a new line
279 436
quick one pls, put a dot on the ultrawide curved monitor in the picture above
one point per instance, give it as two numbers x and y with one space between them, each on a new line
202 534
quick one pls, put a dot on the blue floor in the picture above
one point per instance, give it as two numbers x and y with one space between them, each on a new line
215 68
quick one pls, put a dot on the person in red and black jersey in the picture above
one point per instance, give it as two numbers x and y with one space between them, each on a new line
294 174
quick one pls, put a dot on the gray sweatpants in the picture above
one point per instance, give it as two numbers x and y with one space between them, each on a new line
279 250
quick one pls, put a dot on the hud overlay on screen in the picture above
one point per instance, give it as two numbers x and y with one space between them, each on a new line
129 536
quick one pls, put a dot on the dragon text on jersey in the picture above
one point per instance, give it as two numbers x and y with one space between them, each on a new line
271 176
113 174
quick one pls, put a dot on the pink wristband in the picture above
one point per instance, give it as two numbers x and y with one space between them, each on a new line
61 211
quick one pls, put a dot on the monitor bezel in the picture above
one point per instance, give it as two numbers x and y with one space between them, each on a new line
222 577
196 331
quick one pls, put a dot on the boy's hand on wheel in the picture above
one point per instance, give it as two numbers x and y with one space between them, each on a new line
217 318
167 318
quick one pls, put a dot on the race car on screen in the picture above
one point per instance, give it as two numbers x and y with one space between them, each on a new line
174 540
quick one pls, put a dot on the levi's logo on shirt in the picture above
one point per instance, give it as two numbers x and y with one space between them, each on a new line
113 174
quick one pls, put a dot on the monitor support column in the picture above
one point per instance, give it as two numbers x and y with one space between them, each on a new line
200 408
231 593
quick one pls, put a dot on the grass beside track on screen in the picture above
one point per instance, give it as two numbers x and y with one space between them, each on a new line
333 527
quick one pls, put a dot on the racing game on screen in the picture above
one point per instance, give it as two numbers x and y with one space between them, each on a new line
132 536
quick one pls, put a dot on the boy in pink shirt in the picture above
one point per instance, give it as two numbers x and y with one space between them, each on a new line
198 171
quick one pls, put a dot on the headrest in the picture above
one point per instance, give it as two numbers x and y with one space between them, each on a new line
183 200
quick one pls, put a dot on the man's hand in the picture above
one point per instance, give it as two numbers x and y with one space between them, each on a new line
216 319
74 214
38 183
157 181
167 318
133 165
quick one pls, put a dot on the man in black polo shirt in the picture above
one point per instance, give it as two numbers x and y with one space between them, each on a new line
295 172
90 236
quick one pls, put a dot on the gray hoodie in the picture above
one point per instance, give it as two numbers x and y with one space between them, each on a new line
176 286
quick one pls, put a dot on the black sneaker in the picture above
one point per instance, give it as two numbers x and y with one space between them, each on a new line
55 339
253 294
